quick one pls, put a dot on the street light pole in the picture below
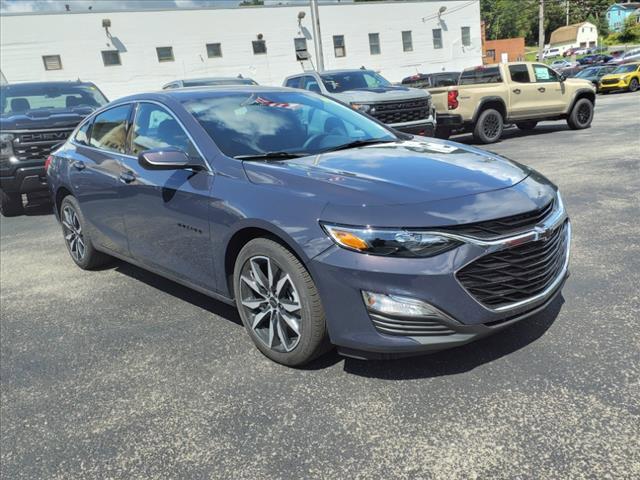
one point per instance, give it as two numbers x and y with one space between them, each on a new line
541 31
317 39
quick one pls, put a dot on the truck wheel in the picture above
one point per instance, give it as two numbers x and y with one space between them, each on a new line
488 128
279 304
10 204
443 132
581 115
633 85
529 125
76 236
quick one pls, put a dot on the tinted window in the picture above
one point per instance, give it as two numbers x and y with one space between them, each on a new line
23 98
310 83
544 74
480 75
279 121
293 82
155 127
340 82
82 135
519 73
109 131
445 79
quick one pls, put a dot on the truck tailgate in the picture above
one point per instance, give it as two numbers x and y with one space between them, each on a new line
439 98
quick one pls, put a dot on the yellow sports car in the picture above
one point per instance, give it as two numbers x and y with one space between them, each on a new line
625 77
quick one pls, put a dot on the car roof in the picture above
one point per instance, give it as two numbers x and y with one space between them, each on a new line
50 84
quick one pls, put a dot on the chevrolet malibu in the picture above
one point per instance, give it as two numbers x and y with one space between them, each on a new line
323 226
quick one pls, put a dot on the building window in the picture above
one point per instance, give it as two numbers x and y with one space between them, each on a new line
437 38
491 53
338 46
466 36
52 62
300 44
374 43
259 47
407 41
165 54
214 50
111 57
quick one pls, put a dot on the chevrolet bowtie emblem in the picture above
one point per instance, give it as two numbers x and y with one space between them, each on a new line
544 234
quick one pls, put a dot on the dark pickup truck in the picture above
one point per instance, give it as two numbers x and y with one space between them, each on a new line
34 118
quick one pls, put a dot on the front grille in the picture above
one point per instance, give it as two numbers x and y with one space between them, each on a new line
413 326
518 273
399 112
37 145
503 226
609 81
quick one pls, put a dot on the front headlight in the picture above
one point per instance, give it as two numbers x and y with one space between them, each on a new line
364 108
391 242
626 78
6 144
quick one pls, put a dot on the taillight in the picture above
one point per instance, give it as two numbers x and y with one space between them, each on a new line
47 162
452 99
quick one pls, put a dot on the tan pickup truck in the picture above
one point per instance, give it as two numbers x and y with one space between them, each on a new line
490 96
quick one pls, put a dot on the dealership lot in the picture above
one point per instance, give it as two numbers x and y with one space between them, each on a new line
120 373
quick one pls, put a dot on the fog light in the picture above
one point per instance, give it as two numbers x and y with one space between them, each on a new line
402 306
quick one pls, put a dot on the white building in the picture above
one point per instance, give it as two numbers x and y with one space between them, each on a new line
578 35
143 50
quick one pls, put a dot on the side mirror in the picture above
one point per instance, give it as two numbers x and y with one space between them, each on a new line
165 159
562 77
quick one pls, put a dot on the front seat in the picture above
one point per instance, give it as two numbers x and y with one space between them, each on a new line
20 105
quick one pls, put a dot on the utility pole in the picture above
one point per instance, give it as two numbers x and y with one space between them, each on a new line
541 31
567 4
317 38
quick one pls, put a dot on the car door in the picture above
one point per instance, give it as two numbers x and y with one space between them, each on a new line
524 97
166 212
94 174
553 96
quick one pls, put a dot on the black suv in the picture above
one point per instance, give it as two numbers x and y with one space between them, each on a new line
34 118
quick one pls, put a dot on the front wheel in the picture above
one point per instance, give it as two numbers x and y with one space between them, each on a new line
279 304
581 115
10 204
528 125
633 85
488 128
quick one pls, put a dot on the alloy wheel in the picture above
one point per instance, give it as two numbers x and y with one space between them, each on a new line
491 126
272 303
584 113
73 233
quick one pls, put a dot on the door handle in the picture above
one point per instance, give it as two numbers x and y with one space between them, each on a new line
516 90
127 177
542 89
79 165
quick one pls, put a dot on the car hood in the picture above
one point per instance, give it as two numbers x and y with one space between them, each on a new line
383 94
394 174
44 118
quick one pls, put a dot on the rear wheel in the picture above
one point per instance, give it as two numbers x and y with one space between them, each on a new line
633 85
528 125
489 126
279 303
11 204
77 238
581 115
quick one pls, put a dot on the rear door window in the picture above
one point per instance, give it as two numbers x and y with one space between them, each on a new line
109 131
481 75
293 82
519 73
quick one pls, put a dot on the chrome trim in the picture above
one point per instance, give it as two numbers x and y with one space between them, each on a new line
37 130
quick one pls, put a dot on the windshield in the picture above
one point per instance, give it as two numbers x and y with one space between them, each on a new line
25 98
221 81
244 124
587 72
343 81
625 69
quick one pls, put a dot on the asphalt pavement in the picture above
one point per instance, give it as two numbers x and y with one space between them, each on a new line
119 373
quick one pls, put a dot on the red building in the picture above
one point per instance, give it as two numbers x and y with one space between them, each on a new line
494 50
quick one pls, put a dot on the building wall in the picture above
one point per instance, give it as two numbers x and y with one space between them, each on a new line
79 39
616 16
513 47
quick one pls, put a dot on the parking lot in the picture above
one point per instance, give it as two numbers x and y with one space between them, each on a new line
119 373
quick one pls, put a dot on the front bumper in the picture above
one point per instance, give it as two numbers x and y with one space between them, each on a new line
620 85
25 180
424 128
342 275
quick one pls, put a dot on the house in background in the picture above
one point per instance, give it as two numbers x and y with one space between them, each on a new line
619 12
578 35
503 50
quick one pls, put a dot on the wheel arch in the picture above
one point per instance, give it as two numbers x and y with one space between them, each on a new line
580 94
61 192
496 103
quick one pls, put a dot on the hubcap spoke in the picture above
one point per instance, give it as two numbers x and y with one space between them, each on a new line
290 306
258 276
284 341
259 317
293 322
254 303
253 285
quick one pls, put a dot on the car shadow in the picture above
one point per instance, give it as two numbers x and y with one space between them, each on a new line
38 207
461 359
514 132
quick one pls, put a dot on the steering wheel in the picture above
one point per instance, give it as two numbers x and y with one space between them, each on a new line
315 140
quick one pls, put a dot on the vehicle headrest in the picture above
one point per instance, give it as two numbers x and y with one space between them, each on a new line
72 101
19 105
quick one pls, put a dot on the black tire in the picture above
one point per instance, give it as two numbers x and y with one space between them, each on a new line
528 125
311 340
443 132
489 126
581 115
86 257
11 204
633 85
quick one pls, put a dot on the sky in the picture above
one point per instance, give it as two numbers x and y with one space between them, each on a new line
22 6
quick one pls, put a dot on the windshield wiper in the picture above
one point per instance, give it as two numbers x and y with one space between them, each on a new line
272 155
359 143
